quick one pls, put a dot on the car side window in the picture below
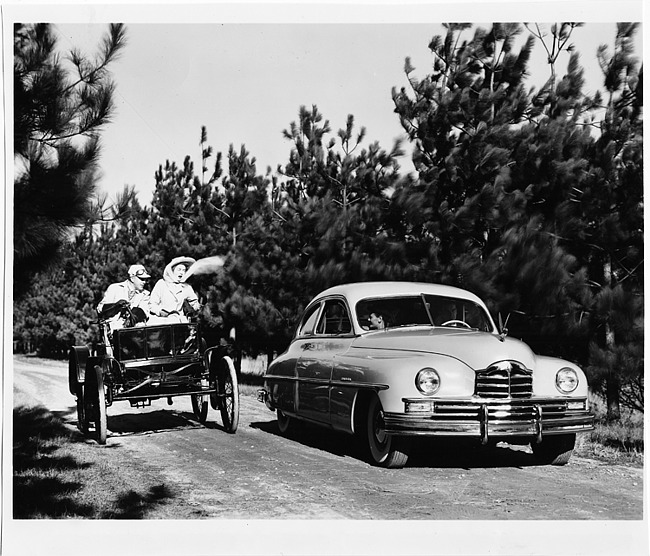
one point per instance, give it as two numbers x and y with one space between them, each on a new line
309 321
334 319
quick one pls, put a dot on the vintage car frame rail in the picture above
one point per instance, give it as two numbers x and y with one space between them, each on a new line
437 366
145 363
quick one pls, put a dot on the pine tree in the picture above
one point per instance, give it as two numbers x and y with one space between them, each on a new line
58 115
612 209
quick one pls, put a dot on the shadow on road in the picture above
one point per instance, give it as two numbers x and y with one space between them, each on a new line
161 420
50 481
439 452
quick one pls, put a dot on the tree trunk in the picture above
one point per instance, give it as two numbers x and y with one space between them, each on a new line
613 381
613 396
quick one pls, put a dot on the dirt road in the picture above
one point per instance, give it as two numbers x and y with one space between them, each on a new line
259 474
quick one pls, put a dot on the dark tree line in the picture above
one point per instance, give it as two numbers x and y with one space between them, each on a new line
530 197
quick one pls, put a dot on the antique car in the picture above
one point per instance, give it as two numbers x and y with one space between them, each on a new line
139 364
393 361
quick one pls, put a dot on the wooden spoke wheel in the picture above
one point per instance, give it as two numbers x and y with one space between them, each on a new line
228 394
94 403
200 407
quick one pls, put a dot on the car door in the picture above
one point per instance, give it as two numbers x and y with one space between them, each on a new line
282 377
332 335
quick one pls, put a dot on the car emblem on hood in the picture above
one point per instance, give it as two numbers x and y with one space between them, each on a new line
501 366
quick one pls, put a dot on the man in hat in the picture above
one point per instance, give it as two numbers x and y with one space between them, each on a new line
126 303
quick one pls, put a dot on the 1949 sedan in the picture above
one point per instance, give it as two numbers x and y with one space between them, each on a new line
393 361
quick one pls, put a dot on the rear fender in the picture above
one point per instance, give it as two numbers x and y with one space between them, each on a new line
77 359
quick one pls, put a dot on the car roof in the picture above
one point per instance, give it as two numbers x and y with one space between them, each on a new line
354 292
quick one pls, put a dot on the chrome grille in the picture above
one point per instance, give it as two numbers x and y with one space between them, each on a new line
505 379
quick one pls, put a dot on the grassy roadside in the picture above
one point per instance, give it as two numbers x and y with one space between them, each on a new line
620 442
60 474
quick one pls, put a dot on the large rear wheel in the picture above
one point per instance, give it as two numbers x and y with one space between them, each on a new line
382 449
228 392
94 398
82 422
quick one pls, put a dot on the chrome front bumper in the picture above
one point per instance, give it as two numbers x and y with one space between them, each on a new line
487 418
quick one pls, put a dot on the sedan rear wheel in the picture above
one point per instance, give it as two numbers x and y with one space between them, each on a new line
383 449
286 424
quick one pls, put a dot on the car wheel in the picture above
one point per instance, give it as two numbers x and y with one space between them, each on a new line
554 450
94 399
82 423
229 394
200 407
286 424
383 449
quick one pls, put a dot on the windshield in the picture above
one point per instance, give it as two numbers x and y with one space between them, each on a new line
417 310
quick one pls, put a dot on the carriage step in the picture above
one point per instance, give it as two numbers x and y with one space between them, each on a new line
140 403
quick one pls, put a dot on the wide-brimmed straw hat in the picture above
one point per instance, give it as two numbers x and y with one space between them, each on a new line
187 261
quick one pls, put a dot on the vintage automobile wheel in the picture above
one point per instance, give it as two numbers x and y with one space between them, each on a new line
82 422
95 403
200 407
384 450
228 389
286 424
555 449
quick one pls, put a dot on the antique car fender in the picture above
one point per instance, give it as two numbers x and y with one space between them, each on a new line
392 374
545 374
77 359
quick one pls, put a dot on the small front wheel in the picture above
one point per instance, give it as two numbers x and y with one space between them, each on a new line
200 407
382 449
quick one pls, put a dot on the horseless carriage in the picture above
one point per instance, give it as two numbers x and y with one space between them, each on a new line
139 364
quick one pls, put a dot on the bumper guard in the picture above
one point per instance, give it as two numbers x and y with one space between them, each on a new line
532 418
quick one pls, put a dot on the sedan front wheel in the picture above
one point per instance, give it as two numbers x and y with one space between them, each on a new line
383 449
555 450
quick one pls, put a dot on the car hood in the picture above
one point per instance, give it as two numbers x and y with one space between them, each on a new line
476 349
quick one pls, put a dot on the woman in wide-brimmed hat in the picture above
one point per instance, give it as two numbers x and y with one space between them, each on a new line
171 298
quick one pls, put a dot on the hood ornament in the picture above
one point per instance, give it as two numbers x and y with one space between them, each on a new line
503 330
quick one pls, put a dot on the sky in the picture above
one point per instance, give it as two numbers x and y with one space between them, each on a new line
243 72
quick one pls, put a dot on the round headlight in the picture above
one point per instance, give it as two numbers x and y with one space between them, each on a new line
427 381
566 380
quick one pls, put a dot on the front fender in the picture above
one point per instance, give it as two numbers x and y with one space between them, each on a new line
544 375
393 374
